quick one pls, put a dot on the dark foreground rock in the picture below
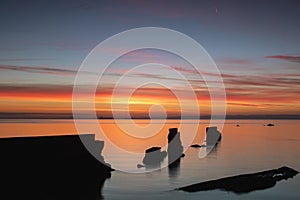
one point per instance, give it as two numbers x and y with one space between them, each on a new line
51 167
244 183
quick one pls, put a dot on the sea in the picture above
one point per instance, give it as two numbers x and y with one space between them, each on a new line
247 146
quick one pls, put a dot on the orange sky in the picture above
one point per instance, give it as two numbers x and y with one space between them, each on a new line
51 99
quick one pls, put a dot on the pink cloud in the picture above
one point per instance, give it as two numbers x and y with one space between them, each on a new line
22 59
40 70
286 58
237 61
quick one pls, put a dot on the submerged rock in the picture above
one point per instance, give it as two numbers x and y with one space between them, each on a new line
270 124
244 183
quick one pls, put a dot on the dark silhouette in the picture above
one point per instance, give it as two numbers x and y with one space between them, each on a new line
153 157
244 183
140 166
197 145
270 124
175 148
51 167
175 152
212 136
174 168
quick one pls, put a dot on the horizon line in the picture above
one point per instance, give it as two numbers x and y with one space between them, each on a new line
9 115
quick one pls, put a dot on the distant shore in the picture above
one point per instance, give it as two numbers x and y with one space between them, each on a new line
9 115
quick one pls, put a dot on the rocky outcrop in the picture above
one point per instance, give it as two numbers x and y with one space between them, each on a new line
212 136
244 183
175 148
51 167
197 145
154 156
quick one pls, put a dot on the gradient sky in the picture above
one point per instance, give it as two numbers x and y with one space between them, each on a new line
255 44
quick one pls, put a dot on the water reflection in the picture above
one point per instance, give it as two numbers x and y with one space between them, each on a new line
213 151
175 152
174 169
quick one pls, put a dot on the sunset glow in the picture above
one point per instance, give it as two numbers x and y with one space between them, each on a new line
257 55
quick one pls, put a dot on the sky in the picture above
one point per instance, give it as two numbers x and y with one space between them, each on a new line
255 45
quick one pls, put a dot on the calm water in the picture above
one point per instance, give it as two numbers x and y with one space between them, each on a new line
248 148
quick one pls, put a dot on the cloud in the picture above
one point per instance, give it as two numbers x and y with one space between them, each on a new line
267 81
237 61
22 59
286 58
142 57
276 91
203 73
245 104
41 90
40 70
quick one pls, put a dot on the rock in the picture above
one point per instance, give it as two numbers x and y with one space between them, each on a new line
140 166
270 124
52 167
196 146
153 149
175 148
237 125
212 135
172 133
154 156
244 183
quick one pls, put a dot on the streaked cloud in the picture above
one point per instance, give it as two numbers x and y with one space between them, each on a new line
23 59
275 93
237 61
40 70
286 58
